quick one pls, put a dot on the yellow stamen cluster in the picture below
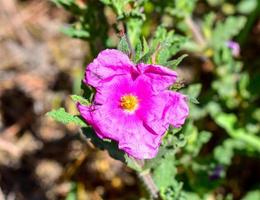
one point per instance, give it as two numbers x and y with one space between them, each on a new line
129 102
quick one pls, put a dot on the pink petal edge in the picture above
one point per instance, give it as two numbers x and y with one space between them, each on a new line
108 63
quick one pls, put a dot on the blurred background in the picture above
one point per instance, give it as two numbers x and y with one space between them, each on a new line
40 67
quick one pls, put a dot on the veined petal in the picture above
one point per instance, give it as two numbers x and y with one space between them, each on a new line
132 104
128 130
139 142
176 109
86 113
109 62
160 77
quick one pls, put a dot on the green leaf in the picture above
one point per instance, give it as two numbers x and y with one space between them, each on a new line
246 6
119 5
62 116
224 153
175 192
70 5
106 2
224 31
174 63
194 90
79 99
243 85
145 45
134 27
146 57
229 123
194 100
151 163
163 55
168 42
75 32
226 121
252 195
183 8
124 46
164 173
138 51
208 23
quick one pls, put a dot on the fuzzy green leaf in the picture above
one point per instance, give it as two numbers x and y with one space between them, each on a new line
106 2
62 116
79 99
146 57
75 33
174 63
194 100
138 51
123 46
165 172
252 195
246 6
194 90
224 31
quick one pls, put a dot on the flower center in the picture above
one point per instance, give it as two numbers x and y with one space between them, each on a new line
129 102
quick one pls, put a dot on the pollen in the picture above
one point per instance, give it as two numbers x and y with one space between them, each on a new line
129 102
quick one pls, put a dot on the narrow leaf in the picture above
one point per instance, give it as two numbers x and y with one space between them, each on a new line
174 63
145 58
123 45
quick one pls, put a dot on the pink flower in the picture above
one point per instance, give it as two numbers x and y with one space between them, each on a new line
235 48
132 104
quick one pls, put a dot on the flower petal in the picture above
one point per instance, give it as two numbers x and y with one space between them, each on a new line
160 77
108 63
139 142
86 113
111 90
176 109
128 130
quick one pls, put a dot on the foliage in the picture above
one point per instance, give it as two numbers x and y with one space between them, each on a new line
62 116
222 107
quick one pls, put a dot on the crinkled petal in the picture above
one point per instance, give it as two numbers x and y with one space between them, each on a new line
155 116
151 105
139 142
128 130
176 109
108 63
111 90
86 113
160 77
138 133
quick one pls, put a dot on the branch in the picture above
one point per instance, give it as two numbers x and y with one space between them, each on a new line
148 181
197 35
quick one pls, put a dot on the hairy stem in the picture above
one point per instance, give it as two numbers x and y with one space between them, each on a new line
148 181
198 37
